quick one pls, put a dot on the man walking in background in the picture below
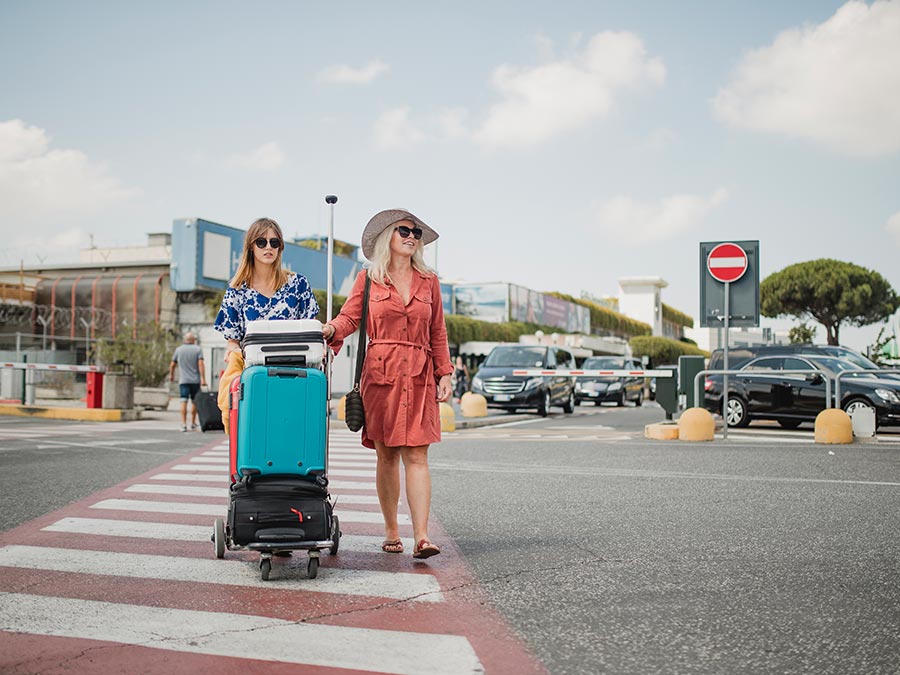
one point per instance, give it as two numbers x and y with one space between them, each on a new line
191 376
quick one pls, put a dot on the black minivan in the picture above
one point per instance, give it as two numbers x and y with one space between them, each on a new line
502 389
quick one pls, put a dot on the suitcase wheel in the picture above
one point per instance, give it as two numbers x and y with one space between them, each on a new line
335 535
219 537
312 569
265 566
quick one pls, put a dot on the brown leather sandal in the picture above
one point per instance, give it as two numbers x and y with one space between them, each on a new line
392 546
425 549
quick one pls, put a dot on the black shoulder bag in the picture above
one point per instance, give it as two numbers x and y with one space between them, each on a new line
354 414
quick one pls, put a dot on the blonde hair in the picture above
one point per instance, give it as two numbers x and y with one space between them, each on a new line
244 273
381 258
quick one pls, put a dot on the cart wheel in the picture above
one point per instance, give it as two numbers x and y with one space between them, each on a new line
335 535
219 537
312 570
265 566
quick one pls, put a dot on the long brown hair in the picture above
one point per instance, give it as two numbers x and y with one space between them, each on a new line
244 273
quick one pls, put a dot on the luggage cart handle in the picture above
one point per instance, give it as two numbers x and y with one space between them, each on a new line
286 372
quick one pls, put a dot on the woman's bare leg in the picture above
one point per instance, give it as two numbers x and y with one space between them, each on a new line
418 488
387 484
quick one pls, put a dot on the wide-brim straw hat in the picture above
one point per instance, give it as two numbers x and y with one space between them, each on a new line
383 220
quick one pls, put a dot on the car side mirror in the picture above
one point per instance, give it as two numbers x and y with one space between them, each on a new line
814 378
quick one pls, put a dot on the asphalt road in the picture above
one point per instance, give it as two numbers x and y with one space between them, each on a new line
605 552
641 557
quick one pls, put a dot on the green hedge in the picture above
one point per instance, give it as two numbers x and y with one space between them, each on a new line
466 329
662 351
605 320
674 316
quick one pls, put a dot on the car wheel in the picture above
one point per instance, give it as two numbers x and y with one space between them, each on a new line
855 404
569 405
639 401
544 407
621 400
737 412
790 424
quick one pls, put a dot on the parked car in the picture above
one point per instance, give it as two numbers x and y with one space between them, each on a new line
738 356
502 389
609 388
767 393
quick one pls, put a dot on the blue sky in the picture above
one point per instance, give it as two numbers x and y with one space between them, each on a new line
555 145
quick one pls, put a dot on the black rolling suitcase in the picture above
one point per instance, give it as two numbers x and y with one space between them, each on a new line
271 512
208 412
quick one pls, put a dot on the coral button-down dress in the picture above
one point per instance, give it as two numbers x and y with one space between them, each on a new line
406 356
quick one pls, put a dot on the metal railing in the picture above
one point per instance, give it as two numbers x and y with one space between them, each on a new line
755 373
850 373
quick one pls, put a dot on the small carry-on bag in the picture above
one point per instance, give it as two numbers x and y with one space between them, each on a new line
296 342
234 399
275 511
282 428
208 412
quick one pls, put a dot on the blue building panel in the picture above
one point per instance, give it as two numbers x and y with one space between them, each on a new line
205 255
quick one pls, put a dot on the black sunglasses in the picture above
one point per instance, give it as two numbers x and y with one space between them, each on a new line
274 242
404 231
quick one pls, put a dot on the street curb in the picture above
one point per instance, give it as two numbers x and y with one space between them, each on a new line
79 414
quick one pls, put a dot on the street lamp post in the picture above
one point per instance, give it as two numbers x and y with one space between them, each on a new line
329 273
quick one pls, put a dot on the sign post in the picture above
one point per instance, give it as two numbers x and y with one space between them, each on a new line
727 262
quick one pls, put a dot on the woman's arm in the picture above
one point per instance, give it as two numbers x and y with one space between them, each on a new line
347 320
440 350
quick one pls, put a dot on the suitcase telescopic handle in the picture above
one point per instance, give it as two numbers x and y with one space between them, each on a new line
286 372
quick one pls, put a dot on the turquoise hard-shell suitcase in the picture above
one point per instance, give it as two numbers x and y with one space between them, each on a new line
283 421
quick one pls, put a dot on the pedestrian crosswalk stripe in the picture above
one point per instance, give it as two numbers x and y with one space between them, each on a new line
197 533
233 572
186 490
199 477
352 484
198 467
186 508
210 460
223 634
337 463
352 473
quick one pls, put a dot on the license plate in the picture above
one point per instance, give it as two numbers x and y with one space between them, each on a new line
503 397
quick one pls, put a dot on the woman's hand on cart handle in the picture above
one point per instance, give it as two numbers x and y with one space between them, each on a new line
328 331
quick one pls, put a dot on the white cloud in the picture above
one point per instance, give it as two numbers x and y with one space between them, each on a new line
40 185
395 130
836 83
343 74
637 223
893 226
267 157
547 100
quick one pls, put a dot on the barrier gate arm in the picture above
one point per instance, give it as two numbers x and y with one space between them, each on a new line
52 366
535 372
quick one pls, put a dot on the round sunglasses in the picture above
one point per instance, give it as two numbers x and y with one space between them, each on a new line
261 242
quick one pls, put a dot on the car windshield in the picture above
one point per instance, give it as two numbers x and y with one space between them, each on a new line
832 364
851 356
516 357
603 364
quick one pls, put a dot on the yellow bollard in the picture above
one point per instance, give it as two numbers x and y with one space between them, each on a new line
448 417
341 407
662 431
696 424
473 405
833 426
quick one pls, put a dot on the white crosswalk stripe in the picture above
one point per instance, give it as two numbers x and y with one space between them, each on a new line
223 634
402 586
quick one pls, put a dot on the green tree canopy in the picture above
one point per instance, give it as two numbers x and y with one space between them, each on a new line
831 292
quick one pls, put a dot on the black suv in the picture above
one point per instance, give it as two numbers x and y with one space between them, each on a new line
502 389
607 387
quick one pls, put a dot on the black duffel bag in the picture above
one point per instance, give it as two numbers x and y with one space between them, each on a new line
273 510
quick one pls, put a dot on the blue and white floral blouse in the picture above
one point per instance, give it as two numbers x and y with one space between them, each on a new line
294 300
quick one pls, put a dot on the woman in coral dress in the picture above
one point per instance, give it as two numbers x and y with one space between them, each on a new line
407 366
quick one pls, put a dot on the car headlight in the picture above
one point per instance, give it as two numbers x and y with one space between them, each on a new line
477 383
534 383
615 386
577 386
888 395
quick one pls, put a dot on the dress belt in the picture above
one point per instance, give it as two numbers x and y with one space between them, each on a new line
403 343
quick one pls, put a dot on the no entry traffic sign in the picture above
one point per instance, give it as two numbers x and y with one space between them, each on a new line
727 262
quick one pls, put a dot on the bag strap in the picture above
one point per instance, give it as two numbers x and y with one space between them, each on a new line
361 347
